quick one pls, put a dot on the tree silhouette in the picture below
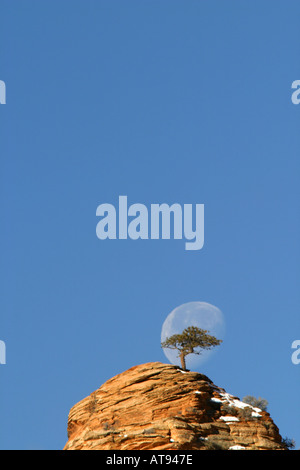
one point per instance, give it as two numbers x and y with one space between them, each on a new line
191 341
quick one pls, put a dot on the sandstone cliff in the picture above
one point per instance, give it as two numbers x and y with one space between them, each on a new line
158 406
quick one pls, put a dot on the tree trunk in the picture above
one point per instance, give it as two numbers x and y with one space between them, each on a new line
182 360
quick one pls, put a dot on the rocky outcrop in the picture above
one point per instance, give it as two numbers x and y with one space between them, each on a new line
157 406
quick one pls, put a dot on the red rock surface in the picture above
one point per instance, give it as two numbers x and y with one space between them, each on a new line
157 406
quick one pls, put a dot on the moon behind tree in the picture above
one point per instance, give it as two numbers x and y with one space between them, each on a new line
200 314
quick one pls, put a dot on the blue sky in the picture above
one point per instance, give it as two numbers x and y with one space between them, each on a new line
173 101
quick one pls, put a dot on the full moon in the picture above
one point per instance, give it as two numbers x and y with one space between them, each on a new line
200 314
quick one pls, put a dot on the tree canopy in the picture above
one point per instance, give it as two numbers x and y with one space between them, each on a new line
191 341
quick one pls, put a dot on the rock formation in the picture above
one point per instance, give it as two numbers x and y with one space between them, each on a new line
157 406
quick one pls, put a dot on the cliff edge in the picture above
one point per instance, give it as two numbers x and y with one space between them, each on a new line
157 406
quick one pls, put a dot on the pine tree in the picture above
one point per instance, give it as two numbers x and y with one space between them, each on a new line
191 341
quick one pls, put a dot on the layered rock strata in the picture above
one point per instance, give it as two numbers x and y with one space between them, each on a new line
157 406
